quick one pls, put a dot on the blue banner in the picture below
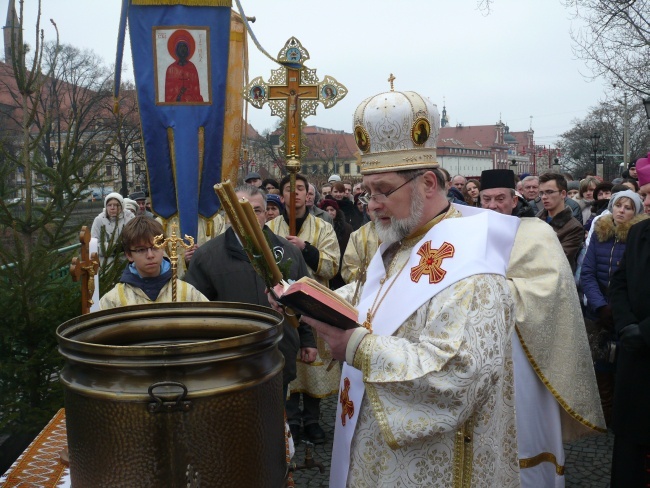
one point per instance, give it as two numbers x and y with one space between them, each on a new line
180 60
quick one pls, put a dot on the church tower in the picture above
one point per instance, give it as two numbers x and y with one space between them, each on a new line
11 26
444 121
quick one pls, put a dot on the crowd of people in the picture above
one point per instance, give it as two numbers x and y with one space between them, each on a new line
544 312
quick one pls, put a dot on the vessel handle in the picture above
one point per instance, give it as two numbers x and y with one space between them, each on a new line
158 404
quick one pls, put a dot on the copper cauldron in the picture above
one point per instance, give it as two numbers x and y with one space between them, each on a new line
174 394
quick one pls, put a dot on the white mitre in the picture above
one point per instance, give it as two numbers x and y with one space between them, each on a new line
396 131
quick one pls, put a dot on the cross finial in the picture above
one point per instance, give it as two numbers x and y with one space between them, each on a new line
391 78
174 242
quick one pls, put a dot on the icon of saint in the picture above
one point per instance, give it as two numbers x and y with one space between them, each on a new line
182 78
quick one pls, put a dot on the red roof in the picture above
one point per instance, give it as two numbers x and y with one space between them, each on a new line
469 137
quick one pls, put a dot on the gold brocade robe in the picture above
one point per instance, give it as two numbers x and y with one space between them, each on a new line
123 295
361 248
551 327
438 409
319 234
313 378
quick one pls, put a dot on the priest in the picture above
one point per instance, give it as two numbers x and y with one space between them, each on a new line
426 395
556 394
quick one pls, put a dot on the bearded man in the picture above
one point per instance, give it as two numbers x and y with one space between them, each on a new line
426 392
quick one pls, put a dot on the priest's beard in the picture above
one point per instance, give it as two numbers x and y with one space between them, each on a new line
398 229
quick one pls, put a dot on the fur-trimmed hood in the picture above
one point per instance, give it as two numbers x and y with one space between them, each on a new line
606 230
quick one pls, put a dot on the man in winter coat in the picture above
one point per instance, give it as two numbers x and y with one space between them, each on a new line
221 270
552 191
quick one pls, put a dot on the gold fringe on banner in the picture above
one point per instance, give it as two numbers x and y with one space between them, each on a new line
187 3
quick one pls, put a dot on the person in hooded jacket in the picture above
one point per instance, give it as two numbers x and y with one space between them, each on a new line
107 228
602 259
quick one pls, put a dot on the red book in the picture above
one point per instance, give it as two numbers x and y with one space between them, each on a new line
308 297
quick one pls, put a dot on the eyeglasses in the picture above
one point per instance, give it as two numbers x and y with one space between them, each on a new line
548 192
383 197
145 250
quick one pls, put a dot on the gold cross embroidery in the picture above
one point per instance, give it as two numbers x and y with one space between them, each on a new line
431 261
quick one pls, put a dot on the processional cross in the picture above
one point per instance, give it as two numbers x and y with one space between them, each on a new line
174 241
85 269
293 92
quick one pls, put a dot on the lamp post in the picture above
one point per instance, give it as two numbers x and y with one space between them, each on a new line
646 104
595 141
557 167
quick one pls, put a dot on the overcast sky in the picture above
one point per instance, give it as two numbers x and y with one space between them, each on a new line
512 64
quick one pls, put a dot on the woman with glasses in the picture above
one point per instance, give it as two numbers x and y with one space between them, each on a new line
107 228
603 257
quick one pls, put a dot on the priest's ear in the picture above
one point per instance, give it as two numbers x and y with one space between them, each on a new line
434 182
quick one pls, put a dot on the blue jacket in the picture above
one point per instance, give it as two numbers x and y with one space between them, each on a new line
603 258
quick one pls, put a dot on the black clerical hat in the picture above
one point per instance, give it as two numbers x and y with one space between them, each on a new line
497 178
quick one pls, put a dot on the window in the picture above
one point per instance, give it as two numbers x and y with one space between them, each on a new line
109 170
346 168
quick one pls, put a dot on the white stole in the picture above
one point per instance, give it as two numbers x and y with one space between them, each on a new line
482 241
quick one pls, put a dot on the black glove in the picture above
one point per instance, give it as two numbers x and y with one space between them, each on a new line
631 338
605 318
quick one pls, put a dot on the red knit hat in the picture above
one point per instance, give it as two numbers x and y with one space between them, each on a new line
328 202
643 170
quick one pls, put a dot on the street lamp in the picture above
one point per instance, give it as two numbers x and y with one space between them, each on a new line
557 167
513 166
595 141
646 104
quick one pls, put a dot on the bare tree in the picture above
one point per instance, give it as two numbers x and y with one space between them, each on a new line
36 296
126 135
615 40
607 120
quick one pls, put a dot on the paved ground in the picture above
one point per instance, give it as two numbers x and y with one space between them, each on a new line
588 460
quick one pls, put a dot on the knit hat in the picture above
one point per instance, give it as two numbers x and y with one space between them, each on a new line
573 185
643 170
131 205
328 203
274 199
626 194
114 196
334 178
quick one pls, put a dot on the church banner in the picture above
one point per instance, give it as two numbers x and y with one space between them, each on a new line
180 59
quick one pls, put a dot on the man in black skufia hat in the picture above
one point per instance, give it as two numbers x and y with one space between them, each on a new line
498 193
547 309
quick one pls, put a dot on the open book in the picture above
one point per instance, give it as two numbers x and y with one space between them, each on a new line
308 297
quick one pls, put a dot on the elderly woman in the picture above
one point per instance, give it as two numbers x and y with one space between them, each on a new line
603 257
107 227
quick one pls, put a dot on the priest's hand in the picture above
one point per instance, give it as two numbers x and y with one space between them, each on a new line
308 354
336 338
296 241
